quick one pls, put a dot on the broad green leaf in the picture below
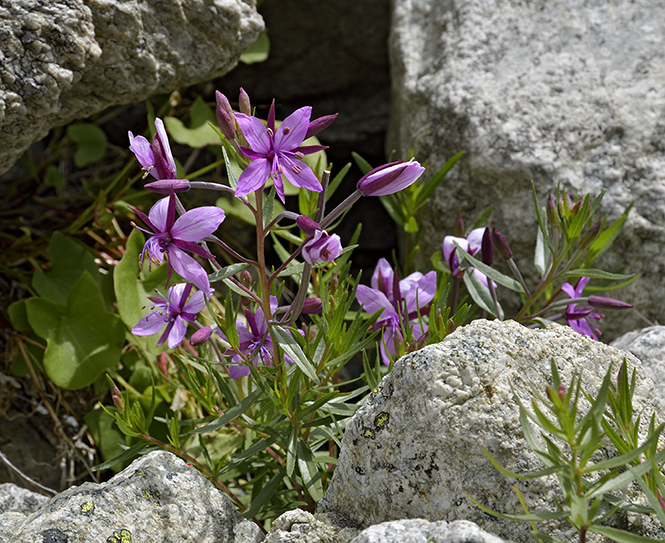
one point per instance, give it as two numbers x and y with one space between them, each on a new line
82 338
107 436
198 133
258 51
53 177
309 471
18 316
291 348
90 142
69 260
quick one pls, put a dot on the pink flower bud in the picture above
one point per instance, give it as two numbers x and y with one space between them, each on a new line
307 225
390 178
312 306
459 225
244 104
225 118
117 399
607 303
166 186
501 244
590 235
317 125
201 336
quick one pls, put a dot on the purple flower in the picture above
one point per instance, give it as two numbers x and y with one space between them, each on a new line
255 342
581 319
274 153
472 244
415 292
171 310
155 157
322 247
174 237
390 178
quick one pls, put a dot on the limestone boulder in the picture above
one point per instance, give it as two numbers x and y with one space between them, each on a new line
157 498
65 60
561 91
415 448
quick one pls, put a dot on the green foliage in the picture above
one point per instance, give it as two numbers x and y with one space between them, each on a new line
568 442
90 142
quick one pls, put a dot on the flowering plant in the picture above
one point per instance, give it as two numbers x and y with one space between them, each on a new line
255 386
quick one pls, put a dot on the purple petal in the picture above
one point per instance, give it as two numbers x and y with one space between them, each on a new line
142 151
150 324
374 300
189 269
449 246
191 247
177 332
255 133
250 153
166 148
581 284
299 174
291 133
237 371
253 177
158 215
309 149
198 223
385 270
475 239
196 303
419 293
570 290
177 294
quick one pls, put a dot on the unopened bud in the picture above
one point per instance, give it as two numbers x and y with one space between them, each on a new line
317 125
117 399
590 235
334 283
450 327
501 244
246 278
201 336
312 306
552 213
163 364
487 249
562 392
225 118
166 186
244 104
458 229
608 303
307 225
398 340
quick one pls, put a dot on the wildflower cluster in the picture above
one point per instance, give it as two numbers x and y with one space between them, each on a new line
258 345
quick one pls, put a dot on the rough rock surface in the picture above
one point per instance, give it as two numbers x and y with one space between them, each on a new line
64 60
415 447
420 531
299 526
19 500
550 91
648 344
157 498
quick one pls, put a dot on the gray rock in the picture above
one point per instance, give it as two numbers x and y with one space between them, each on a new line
557 91
299 526
648 344
157 498
20 500
423 531
414 449
67 60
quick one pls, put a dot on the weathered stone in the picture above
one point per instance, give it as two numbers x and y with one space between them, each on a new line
64 60
419 531
20 500
415 448
648 344
157 498
550 91
299 526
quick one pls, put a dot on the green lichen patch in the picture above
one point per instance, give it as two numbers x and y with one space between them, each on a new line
123 536
87 508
